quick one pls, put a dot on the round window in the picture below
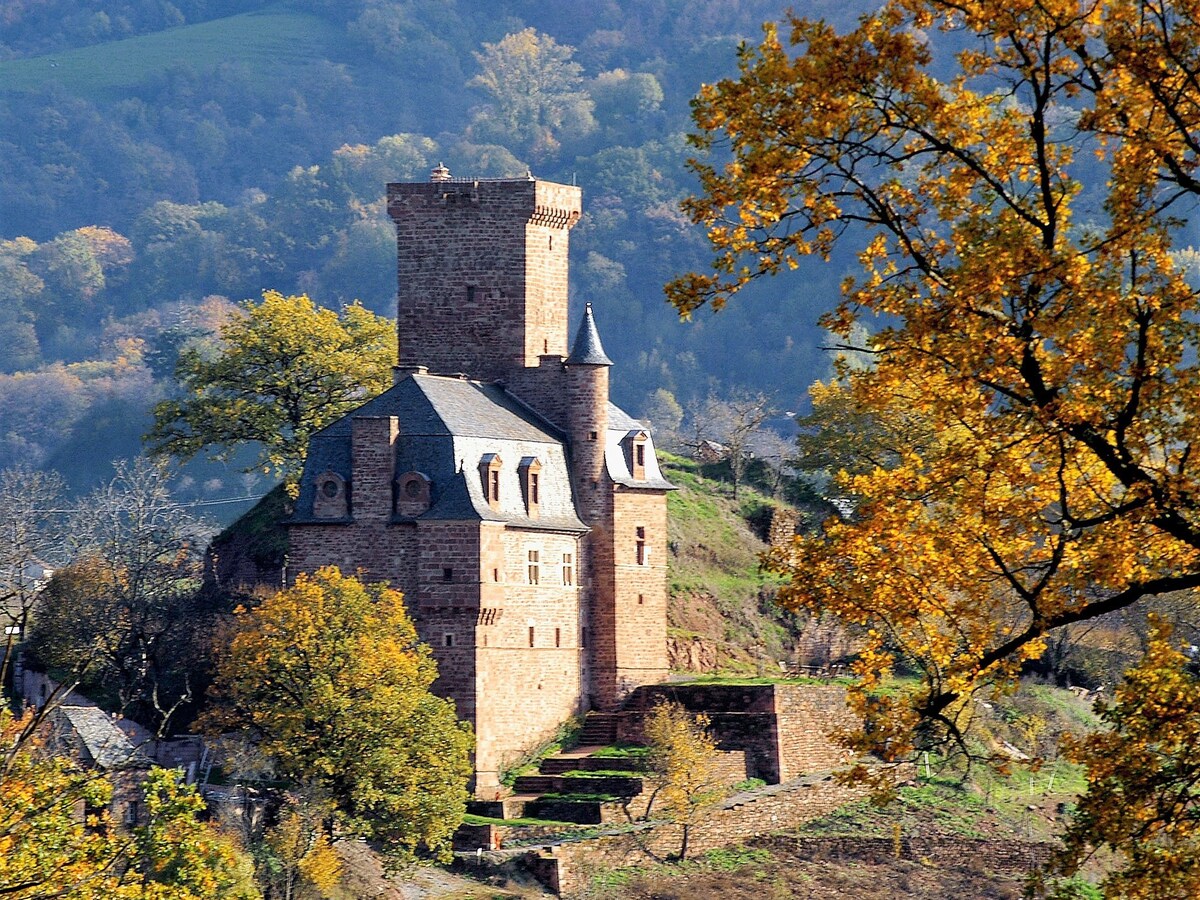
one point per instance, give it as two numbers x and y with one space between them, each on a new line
329 488
412 488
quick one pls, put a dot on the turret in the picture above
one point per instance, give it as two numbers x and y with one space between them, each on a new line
587 415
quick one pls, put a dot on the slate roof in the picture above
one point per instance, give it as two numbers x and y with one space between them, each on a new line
104 742
447 425
587 350
620 426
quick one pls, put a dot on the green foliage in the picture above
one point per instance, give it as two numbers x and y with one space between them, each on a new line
534 89
330 680
565 737
285 369
279 42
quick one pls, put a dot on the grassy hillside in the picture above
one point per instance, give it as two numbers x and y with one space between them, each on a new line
274 44
718 592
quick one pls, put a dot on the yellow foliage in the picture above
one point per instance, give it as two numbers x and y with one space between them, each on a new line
1047 350
333 684
286 368
683 760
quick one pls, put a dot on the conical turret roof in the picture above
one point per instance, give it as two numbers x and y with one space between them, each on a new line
587 350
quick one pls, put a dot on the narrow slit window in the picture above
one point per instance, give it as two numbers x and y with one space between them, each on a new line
530 635
557 637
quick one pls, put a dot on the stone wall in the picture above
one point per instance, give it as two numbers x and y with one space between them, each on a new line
786 806
786 730
482 273
1010 858
807 718
570 867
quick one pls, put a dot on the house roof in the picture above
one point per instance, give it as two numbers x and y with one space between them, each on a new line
448 425
621 427
106 745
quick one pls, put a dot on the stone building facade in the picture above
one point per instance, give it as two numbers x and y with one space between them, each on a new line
521 513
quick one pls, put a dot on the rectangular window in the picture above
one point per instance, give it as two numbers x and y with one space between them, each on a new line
568 569
533 489
641 599
447 574
530 635
448 639
639 455
494 486
533 567
583 638
641 546
557 637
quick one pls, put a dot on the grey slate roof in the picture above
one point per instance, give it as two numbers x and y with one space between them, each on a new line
621 425
587 350
447 425
105 743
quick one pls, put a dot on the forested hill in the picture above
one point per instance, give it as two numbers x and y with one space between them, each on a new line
159 159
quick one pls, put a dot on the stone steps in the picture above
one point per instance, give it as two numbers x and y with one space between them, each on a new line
599 729
557 765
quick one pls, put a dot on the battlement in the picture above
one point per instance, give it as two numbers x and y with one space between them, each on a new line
482 272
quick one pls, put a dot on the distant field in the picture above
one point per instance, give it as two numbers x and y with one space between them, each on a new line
275 41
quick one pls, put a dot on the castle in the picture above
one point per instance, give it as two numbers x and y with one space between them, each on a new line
522 514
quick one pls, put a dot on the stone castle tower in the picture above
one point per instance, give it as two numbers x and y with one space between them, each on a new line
522 514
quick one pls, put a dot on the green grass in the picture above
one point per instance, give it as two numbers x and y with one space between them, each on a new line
622 751
566 737
472 819
579 797
275 43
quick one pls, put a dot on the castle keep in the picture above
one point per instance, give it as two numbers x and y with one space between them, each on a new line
521 513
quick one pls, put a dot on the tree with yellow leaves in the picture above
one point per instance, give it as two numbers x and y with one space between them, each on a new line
285 369
1015 222
1150 758
333 684
58 838
683 766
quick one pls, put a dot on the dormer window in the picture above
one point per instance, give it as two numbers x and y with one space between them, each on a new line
330 501
635 454
489 473
412 494
531 487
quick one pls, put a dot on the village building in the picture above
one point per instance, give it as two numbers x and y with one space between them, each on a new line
522 514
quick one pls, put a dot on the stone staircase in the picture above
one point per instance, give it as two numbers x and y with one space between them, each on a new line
599 729
614 793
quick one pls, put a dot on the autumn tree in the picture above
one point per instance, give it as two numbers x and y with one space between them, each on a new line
733 420
1149 757
330 679
535 93
1014 221
683 765
52 850
125 618
285 369
299 858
